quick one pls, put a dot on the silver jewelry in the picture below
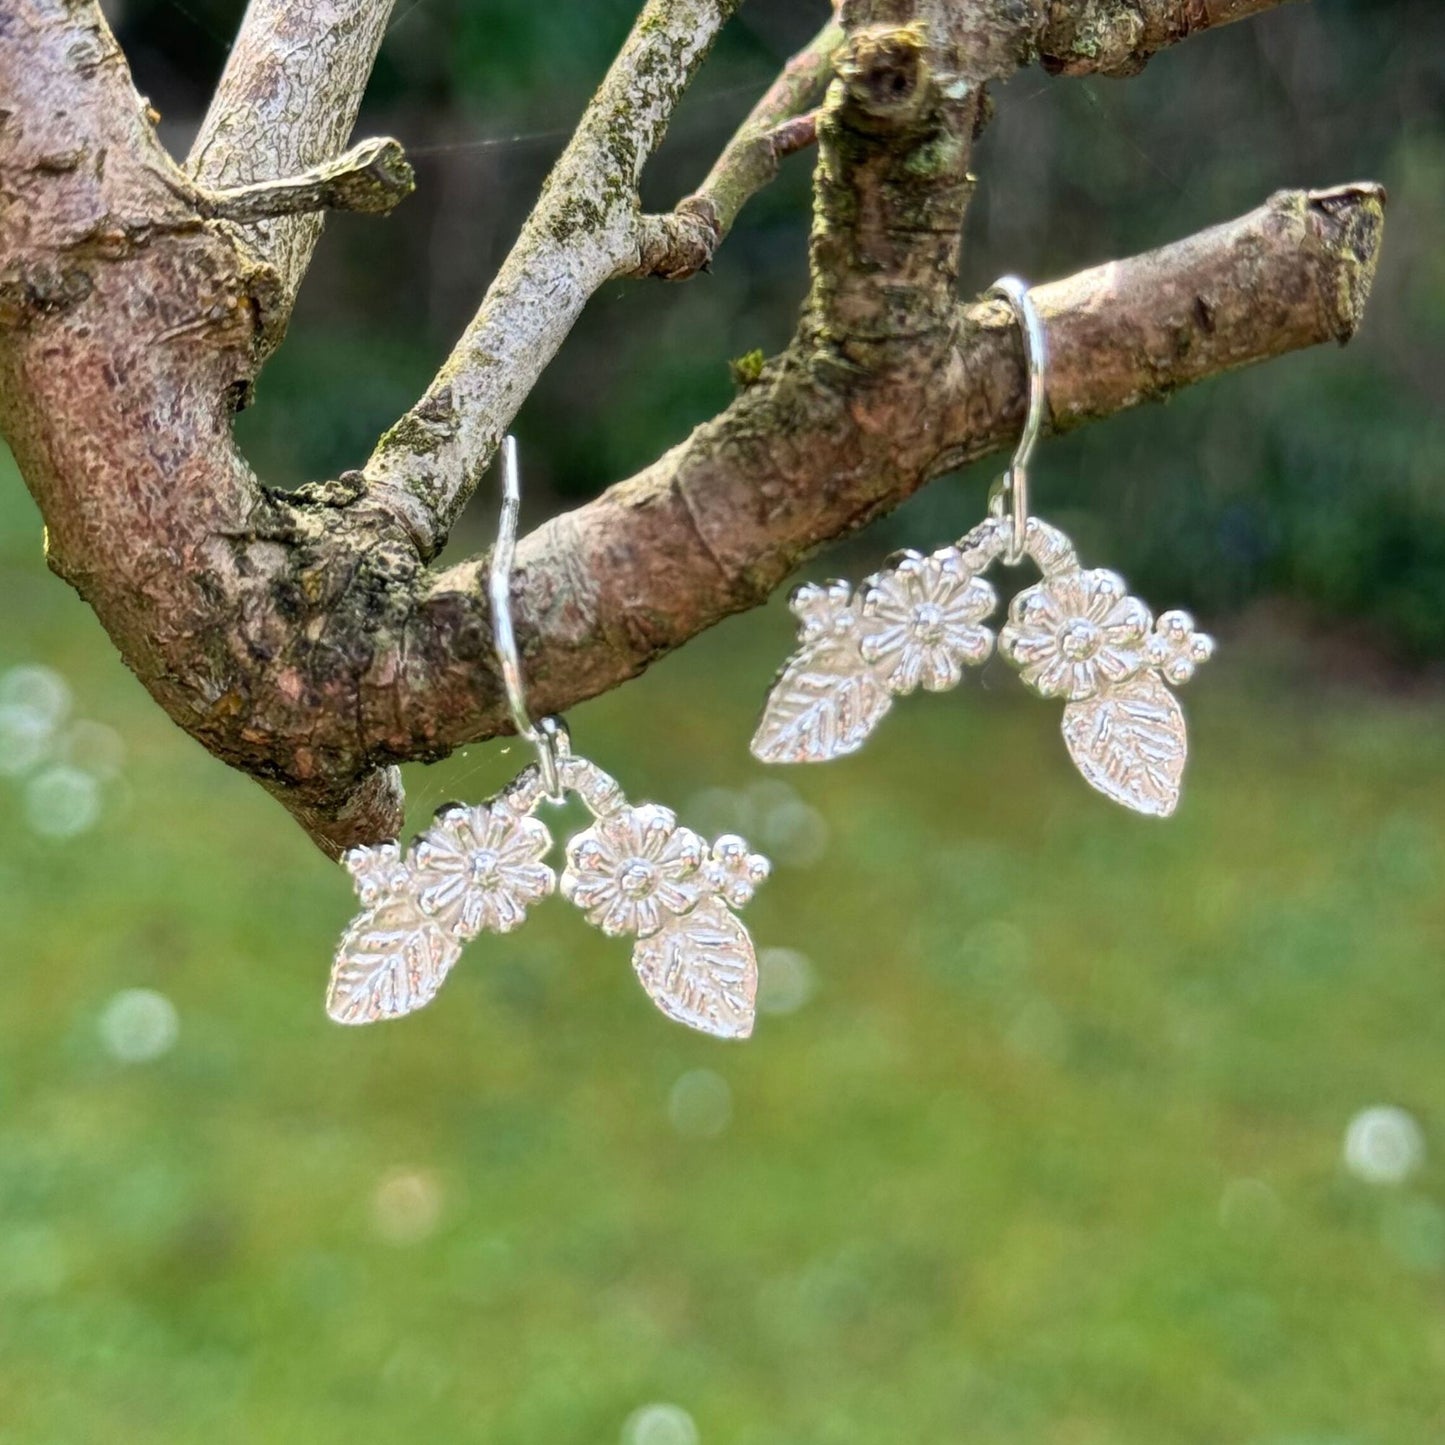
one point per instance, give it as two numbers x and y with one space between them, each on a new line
478 869
1076 634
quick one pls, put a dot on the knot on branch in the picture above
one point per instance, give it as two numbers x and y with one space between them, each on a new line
678 245
44 289
1119 37
884 71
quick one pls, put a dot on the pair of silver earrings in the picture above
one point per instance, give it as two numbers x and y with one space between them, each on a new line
1076 634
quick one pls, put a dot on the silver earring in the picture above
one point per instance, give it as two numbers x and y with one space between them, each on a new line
480 868
1075 634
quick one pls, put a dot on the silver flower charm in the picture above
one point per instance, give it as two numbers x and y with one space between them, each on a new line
480 868
734 871
920 622
375 872
1176 649
824 610
1074 634
1079 635
916 623
632 867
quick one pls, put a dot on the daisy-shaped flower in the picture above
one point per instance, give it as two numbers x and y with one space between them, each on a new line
480 868
1176 649
631 867
1074 634
920 621
734 870
377 872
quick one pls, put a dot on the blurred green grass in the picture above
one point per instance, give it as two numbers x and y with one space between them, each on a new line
1052 1157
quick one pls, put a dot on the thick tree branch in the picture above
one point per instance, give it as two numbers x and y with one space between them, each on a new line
719 522
583 231
286 105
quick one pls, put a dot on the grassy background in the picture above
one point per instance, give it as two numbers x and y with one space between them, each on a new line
1053 1153
1051 1157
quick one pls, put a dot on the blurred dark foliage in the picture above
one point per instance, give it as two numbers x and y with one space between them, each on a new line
1317 478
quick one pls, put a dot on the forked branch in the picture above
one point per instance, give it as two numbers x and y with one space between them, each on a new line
584 230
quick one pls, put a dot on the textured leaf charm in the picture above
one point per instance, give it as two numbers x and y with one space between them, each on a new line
700 970
824 705
1130 743
390 962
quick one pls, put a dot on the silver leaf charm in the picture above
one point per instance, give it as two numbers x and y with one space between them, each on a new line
390 962
700 970
824 705
1130 743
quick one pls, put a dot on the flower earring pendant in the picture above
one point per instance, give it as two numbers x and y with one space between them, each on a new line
1076 634
479 869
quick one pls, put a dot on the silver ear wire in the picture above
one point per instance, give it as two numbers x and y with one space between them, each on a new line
547 736
1014 497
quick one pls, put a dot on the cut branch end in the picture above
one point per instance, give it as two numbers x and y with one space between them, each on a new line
371 178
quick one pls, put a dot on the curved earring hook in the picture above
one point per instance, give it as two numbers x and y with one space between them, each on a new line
1036 358
546 736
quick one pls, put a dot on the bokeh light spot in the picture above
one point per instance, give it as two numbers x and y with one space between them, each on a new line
138 1025
786 980
93 748
40 690
700 1105
660 1425
407 1206
1249 1207
25 737
1384 1145
62 802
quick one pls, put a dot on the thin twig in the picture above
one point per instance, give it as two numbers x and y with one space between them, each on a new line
780 124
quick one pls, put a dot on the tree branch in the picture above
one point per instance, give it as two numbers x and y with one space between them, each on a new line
285 105
681 243
583 231
720 521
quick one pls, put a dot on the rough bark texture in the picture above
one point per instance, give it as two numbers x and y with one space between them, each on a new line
1118 37
303 638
